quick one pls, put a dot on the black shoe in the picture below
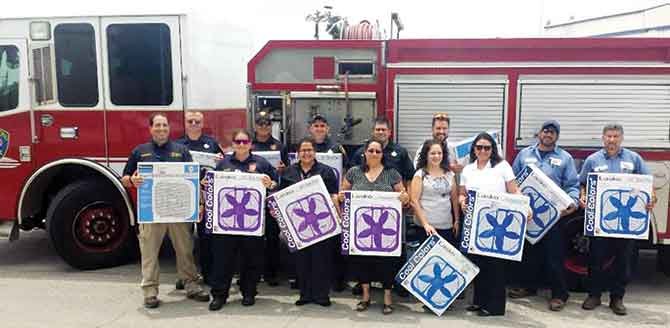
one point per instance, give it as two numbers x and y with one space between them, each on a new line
357 290
616 304
339 286
179 284
272 281
325 302
217 303
248 300
473 308
302 301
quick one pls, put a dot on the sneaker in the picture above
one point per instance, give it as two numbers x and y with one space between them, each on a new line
591 303
151 302
199 296
515 293
616 304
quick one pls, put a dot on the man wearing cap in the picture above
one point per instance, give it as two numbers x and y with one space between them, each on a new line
440 132
264 141
611 159
547 255
395 155
318 130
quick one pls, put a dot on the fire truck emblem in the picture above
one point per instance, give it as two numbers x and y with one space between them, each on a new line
4 142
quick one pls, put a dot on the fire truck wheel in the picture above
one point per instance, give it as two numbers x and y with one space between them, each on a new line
663 259
89 227
576 247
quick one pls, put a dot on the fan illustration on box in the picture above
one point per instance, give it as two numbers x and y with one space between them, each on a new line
624 211
311 217
376 229
544 213
239 209
438 282
500 231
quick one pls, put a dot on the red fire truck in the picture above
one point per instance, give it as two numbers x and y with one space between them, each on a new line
75 94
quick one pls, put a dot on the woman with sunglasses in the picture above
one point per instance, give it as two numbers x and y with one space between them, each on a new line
373 175
314 264
228 249
487 171
433 192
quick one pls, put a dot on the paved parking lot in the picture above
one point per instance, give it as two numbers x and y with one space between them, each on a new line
37 289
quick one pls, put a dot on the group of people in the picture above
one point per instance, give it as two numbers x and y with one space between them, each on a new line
434 185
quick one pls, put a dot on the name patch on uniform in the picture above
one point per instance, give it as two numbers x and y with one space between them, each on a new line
616 205
436 274
170 192
601 168
305 213
627 166
555 161
494 225
234 203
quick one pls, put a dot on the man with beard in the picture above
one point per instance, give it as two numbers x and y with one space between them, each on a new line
547 255
440 130
611 159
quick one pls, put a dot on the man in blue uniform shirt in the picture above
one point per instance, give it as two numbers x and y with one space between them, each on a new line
611 159
151 236
547 255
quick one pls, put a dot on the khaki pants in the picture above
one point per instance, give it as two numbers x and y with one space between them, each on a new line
151 238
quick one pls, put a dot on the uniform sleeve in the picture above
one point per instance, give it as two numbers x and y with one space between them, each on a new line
640 166
330 180
506 171
283 153
571 179
186 155
587 168
357 158
407 166
517 165
131 165
270 170
287 178
214 147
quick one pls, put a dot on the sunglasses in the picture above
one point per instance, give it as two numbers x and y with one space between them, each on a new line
483 147
194 122
241 141
440 115
373 151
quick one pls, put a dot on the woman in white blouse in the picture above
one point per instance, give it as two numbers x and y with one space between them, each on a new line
433 192
488 171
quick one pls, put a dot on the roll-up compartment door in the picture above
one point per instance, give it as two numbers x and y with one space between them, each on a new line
473 103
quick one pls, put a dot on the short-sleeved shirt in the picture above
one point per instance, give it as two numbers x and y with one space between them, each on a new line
625 161
385 181
395 156
489 179
152 152
295 174
436 198
205 144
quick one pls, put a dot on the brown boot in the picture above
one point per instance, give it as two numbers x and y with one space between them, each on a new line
616 304
521 293
591 303
556 304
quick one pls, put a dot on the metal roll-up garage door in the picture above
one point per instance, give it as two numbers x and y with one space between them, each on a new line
474 104
584 104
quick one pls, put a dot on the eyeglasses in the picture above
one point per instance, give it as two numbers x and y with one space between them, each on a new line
194 122
483 147
241 141
373 151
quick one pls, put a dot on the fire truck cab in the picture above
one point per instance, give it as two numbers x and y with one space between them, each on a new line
75 96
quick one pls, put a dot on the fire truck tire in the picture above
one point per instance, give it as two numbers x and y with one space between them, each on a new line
89 227
663 259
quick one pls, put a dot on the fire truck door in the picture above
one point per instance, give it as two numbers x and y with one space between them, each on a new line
15 127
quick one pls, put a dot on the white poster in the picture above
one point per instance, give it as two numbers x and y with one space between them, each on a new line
372 223
495 225
234 203
547 200
331 159
436 274
208 160
272 156
616 205
462 148
305 213
170 192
